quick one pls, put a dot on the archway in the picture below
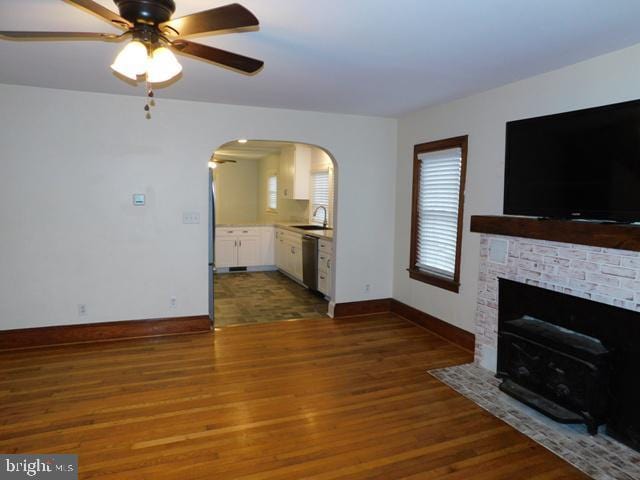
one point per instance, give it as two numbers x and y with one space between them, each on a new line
272 231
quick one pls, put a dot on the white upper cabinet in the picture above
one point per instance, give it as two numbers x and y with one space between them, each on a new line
295 172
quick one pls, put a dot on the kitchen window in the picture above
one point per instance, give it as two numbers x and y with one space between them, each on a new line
320 196
272 193
436 218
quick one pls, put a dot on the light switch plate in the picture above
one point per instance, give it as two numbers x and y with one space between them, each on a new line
190 218
138 199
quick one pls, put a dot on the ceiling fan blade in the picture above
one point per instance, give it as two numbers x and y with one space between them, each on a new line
221 18
103 12
221 57
59 36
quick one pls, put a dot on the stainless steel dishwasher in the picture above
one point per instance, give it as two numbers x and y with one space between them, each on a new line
310 262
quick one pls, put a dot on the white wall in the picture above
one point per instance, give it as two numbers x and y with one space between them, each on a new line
237 191
70 162
607 79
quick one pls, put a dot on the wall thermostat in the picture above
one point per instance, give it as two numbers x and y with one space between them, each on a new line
138 199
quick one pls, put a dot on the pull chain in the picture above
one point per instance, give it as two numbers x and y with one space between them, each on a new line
150 101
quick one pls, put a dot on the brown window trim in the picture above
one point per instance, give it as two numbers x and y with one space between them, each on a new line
414 272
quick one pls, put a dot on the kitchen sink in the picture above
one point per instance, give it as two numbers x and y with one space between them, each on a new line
310 227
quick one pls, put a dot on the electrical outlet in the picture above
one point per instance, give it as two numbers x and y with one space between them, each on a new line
173 302
82 310
367 288
191 218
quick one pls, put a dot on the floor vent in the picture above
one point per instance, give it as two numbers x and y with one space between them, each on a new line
237 269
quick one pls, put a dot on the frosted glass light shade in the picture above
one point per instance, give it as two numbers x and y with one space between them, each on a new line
163 66
132 60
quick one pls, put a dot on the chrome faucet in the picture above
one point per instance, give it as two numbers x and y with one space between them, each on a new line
324 223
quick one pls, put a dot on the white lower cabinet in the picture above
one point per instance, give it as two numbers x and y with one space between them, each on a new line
249 251
242 247
267 246
296 260
323 283
325 266
226 251
288 252
278 246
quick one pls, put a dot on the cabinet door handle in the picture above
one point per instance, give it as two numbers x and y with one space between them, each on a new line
229 231
329 263
235 243
245 231
239 243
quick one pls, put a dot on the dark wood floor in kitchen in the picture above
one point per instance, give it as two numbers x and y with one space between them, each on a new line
312 399
259 297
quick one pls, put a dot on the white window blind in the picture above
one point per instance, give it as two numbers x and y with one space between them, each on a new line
320 195
272 191
437 228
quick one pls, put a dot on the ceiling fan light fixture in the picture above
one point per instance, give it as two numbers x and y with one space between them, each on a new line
213 165
132 60
163 66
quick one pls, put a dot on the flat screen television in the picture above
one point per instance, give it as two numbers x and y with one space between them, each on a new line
583 164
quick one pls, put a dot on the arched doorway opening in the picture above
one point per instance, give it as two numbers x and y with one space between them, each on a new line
273 234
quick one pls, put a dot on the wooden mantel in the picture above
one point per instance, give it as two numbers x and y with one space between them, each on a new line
620 236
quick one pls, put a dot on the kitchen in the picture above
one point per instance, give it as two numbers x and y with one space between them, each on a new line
274 237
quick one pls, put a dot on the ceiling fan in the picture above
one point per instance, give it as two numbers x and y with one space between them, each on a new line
214 162
154 34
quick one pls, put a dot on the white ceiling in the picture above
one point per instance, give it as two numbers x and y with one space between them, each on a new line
371 57
251 150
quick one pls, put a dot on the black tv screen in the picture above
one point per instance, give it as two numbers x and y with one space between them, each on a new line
581 164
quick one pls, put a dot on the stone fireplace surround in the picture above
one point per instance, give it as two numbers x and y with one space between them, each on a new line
597 262
601 274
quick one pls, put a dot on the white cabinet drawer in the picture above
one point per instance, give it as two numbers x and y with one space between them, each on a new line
323 283
248 231
236 231
325 246
291 237
324 262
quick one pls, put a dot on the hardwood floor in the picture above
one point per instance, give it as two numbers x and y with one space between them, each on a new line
320 398
260 297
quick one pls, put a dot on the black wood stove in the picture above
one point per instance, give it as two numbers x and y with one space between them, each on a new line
573 359
559 372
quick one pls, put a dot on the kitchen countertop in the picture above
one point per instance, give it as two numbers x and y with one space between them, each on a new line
323 234
248 224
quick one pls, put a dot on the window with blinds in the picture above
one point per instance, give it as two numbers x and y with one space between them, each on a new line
320 196
272 192
437 211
